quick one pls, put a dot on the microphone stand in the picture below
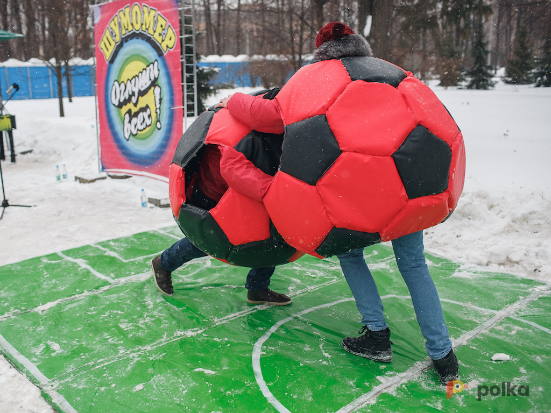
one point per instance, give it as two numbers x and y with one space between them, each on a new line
5 202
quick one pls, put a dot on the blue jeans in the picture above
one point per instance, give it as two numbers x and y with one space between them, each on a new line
410 257
183 251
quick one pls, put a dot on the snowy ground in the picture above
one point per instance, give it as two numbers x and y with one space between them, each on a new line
503 221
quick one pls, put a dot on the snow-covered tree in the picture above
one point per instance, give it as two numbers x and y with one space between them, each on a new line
543 73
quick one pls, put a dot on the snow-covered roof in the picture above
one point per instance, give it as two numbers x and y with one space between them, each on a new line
227 58
75 61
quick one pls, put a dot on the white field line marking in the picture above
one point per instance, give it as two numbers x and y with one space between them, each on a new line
532 324
469 305
43 380
70 375
192 333
160 231
420 367
257 351
206 261
415 370
179 335
264 306
117 256
45 307
83 264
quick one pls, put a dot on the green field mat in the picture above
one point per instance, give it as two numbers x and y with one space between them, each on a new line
89 327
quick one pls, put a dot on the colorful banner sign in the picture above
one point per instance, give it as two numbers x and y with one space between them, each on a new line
138 83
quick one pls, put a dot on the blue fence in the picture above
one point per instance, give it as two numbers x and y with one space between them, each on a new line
236 73
40 82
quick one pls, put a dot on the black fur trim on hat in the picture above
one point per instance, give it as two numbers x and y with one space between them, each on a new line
352 45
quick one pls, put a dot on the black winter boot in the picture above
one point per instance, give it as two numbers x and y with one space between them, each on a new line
373 345
267 296
447 368
163 278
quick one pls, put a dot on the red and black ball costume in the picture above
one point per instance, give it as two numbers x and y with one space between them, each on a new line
370 154
238 229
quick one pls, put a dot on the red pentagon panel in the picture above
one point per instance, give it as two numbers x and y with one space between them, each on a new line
312 90
419 214
362 192
371 118
176 188
241 218
427 109
225 129
457 172
297 212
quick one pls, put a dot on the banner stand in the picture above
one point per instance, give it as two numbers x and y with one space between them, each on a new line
138 82
97 121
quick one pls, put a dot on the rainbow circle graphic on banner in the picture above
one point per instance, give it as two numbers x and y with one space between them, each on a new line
138 99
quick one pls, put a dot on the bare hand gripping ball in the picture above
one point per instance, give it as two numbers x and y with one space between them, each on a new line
370 154
238 229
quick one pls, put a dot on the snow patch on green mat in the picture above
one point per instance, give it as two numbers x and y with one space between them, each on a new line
89 327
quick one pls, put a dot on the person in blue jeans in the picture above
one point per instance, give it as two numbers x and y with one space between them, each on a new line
183 251
219 170
335 41
375 341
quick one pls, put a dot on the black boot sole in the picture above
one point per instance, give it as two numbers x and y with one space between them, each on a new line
381 356
155 279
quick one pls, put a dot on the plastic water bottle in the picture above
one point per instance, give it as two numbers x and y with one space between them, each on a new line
64 171
144 199
57 174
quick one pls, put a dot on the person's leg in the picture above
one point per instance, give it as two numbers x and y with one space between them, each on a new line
179 253
258 281
363 289
410 257
374 343
259 278
171 259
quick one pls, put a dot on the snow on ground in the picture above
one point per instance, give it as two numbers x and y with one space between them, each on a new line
17 394
502 222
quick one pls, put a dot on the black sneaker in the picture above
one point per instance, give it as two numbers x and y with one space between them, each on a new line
267 296
373 345
163 278
447 368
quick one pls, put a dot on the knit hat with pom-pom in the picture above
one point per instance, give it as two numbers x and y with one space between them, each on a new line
332 31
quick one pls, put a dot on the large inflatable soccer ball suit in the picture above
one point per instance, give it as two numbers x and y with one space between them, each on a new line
369 154
238 229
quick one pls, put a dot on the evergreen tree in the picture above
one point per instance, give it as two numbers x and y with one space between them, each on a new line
481 77
448 64
204 86
455 20
543 74
519 69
